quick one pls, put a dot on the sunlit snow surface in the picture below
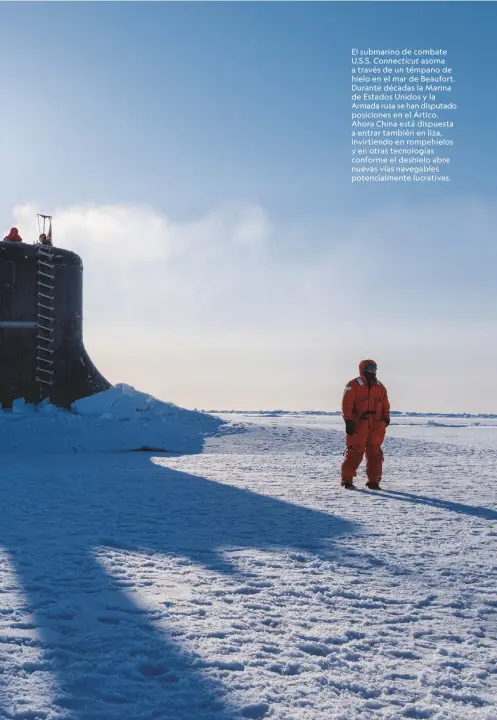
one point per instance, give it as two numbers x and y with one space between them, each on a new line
241 581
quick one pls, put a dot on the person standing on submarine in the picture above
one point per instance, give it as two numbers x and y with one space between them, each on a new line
13 236
366 412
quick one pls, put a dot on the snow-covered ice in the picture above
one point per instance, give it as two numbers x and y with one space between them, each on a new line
232 578
118 419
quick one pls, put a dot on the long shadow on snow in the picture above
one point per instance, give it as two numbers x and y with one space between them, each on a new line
460 508
108 658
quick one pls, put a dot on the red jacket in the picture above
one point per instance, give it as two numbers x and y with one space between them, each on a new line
362 402
13 236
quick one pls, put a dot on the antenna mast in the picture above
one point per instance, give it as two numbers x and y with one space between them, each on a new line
45 226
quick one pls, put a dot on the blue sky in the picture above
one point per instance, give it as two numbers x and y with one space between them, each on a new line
211 140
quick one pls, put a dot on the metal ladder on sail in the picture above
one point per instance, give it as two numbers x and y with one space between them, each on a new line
45 275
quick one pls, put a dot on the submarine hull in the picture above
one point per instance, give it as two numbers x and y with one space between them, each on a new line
68 367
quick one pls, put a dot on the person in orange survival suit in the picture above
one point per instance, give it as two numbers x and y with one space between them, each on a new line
13 236
366 411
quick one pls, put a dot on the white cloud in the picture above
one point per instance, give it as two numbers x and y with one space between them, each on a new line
139 264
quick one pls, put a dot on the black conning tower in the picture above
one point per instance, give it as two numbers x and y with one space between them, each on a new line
41 331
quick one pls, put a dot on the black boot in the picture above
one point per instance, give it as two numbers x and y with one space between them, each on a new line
373 485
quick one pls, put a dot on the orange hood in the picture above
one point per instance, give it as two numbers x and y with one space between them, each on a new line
363 364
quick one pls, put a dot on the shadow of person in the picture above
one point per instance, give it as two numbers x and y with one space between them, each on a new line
107 656
460 508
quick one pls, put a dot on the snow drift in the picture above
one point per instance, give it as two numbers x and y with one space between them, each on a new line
118 419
